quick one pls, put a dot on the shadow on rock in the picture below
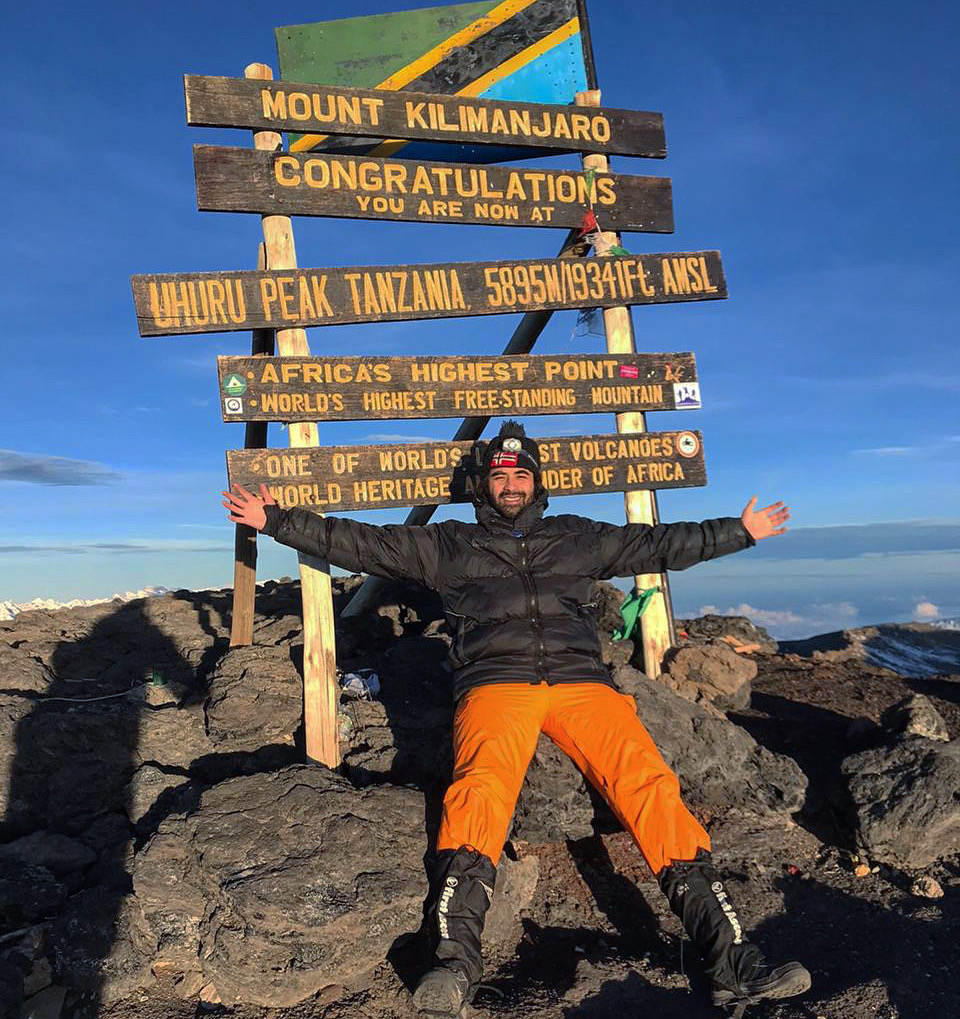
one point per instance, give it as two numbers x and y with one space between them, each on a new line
82 688
816 739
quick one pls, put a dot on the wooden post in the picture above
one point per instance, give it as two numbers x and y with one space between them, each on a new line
245 542
640 505
320 690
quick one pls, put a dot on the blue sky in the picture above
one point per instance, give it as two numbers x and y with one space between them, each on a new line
815 145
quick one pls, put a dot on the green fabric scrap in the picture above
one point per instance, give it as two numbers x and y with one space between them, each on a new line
631 610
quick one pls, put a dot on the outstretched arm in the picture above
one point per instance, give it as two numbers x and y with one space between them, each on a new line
392 550
642 548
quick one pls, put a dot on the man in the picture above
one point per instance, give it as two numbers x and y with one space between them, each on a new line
518 589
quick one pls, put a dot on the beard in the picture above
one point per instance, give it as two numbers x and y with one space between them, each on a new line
510 510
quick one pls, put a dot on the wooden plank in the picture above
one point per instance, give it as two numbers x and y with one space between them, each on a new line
361 388
378 113
178 303
341 478
364 187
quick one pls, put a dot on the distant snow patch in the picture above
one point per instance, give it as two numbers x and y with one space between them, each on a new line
9 609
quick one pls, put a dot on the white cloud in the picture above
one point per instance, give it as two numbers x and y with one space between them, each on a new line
765 617
889 451
939 444
786 623
925 610
838 610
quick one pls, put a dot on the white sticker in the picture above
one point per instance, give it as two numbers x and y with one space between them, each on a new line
686 395
233 405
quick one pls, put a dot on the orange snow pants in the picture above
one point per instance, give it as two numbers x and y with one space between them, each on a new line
495 731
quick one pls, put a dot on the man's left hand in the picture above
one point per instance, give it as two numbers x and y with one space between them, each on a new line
766 522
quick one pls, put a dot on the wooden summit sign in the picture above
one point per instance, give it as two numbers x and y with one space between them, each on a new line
377 113
340 478
355 388
225 301
363 187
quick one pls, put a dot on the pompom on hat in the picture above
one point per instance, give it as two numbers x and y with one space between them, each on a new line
512 448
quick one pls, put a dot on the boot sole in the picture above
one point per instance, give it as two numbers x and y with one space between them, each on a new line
784 982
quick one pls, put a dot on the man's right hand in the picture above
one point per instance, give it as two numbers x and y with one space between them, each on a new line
247 508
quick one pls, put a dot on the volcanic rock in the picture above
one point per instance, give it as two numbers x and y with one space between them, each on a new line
100 941
28 893
19 670
278 885
255 697
712 673
147 785
719 764
712 627
905 801
60 854
915 716
554 803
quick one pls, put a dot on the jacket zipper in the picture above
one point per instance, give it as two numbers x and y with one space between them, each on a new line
530 590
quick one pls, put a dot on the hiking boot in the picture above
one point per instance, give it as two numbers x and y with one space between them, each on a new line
461 887
442 992
782 982
735 968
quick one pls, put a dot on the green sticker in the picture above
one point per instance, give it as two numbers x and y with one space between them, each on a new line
235 385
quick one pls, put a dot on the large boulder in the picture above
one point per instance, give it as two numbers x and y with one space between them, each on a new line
720 765
66 768
915 716
255 698
710 673
905 801
279 885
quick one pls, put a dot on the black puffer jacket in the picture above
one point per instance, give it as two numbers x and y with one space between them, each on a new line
518 593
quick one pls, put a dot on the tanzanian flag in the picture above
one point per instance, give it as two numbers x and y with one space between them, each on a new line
527 50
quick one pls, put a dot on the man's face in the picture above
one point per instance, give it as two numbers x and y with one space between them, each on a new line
511 490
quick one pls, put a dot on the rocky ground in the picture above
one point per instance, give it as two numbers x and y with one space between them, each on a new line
164 854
